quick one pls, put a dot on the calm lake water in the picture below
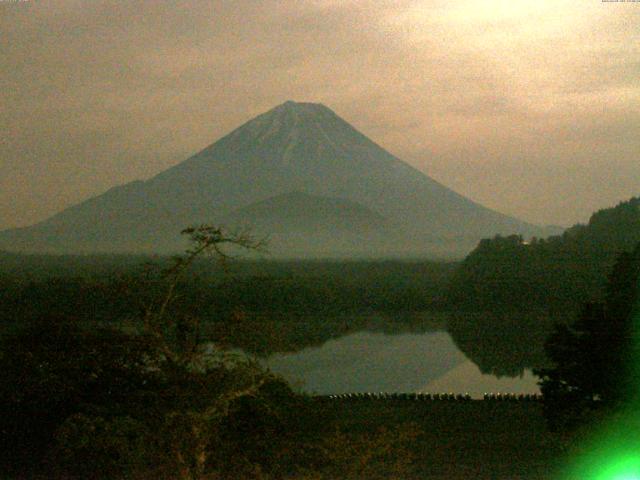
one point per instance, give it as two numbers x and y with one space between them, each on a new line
377 362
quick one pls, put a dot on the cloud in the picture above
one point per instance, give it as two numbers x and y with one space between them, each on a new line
106 92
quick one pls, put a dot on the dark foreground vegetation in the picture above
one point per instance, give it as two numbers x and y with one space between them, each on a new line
517 290
595 358
102 404
159 400
113 367
500 303
85 393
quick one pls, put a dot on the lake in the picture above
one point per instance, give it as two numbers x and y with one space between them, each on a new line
367 361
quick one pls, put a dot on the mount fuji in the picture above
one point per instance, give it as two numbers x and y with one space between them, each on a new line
298 173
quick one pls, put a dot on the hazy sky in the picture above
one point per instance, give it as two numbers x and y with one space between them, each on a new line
531 107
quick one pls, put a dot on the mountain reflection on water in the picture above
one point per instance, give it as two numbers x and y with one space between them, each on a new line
371 361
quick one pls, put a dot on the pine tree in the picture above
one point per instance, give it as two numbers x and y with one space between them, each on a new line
594 358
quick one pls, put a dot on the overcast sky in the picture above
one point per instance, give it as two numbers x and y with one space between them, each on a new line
529 107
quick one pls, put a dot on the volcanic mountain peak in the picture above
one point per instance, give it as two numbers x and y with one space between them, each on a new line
288 115
294 124
300 107
294 147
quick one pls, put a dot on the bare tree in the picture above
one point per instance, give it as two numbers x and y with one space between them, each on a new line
217 377
157 322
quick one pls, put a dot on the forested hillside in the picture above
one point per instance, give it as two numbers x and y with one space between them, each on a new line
557 274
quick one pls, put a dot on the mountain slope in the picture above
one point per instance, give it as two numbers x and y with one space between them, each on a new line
302 225
301 211
299 147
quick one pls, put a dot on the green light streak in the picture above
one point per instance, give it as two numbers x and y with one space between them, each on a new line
613 452
625 468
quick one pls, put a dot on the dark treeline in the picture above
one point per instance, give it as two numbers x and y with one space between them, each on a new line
514 291
502 301
160 401
261 306
76 390
595 357
94 286
557 274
